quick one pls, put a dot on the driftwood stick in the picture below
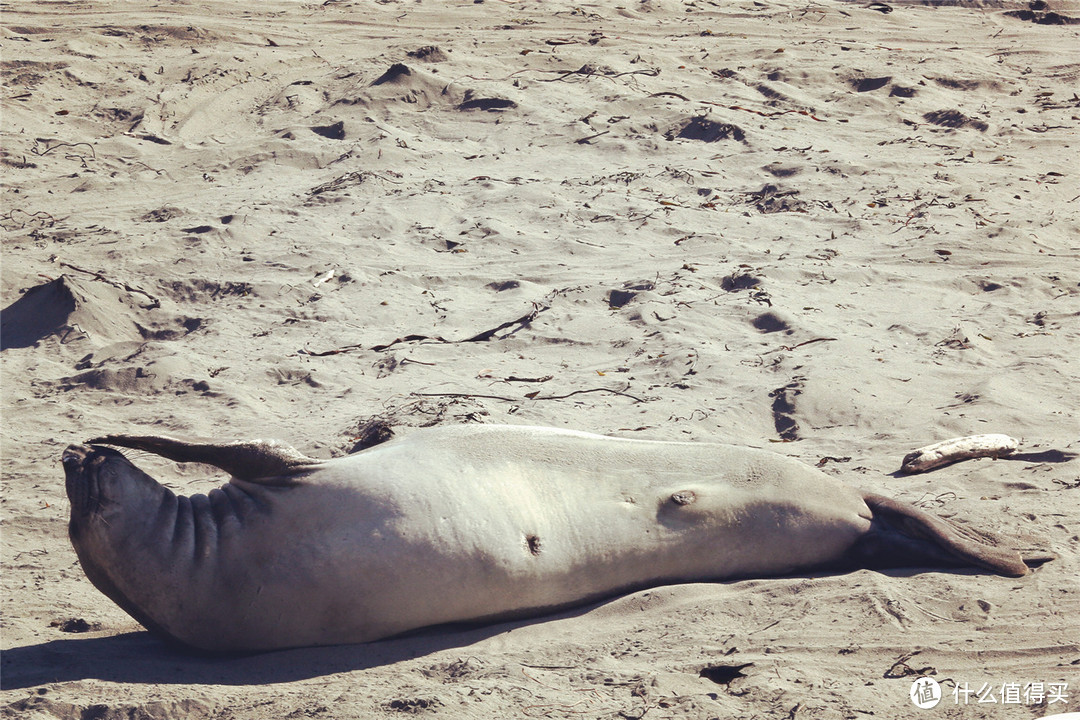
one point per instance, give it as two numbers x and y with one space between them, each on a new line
964 448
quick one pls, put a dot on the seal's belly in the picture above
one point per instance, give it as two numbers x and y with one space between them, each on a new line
528 522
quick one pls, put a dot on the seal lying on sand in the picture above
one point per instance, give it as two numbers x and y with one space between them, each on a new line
469 523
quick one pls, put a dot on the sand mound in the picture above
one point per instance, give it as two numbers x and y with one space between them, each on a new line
101 313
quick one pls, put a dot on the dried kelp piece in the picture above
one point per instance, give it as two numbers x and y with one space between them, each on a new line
513 325
75 625
19 219
534 395
339 183
428 53
1037 13
771 199
954 119
162 214
739 281
374 432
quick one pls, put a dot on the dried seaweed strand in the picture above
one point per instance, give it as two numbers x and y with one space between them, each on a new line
479 337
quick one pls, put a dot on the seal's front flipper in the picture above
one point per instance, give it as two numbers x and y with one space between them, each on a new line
266 462
902 535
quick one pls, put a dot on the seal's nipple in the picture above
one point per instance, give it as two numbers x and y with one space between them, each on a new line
683 497
533 543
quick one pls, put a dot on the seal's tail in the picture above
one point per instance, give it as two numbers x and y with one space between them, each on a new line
911 531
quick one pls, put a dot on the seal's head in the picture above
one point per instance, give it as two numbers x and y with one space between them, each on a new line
113 506
103 486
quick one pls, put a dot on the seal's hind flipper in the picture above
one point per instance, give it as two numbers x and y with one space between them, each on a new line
902 528
263 461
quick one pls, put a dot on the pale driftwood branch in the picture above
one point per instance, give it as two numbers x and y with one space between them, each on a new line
964 448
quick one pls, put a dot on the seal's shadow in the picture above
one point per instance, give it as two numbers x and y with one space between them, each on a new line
140 657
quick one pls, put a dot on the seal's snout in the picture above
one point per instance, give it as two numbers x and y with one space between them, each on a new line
74 456
83 465
76 478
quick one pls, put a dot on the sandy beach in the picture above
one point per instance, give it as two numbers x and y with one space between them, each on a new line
836 230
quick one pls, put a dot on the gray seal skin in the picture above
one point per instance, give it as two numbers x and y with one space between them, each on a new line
466 523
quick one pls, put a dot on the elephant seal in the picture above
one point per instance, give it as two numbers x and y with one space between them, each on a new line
466 523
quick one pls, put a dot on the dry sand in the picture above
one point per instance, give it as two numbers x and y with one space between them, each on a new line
821 228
